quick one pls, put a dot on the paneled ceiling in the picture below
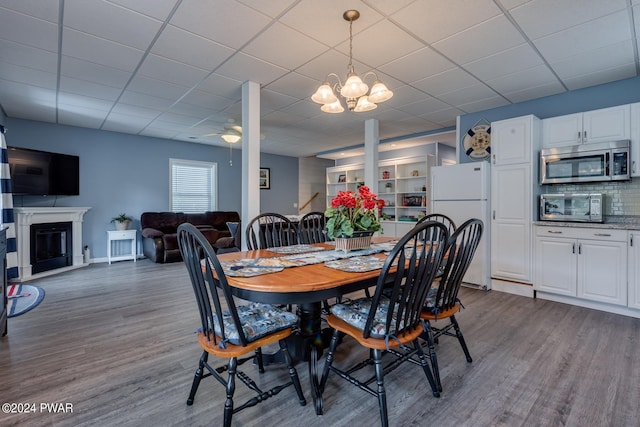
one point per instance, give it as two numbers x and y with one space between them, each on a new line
174 68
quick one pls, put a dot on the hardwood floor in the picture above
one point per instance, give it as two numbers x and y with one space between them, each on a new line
117 343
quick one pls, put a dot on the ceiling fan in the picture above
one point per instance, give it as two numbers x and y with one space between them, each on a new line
232 132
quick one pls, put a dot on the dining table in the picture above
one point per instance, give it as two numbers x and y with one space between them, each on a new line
298 275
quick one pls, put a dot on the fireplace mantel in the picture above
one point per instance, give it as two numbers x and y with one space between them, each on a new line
24 217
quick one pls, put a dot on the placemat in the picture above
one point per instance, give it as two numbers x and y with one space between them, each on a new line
296 249
358 264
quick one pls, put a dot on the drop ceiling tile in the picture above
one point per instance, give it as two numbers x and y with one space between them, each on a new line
27 75
148 114
92 72
372 48
306 109
532 77
47 10
464 96
158 9
404 95
77 100
603 76
84 117
221 86
636 19
529 93
505 62
100 51
483 104
96 17
417 65
149 86
433 20
164 69
595 60
195 111
158 133
322 20
92 89
445 117
146 101
446 82
192 49
480 41
271 100
122 123
247 68
27 56
424 106
25 94
388 7
24 29
511 4
535 19
30 111
294 85
331 61
596 34
272 8
207 100
227 22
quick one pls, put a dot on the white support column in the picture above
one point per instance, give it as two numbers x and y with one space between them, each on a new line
371 142
250 154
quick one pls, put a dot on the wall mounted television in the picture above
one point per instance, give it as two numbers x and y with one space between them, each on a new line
42 173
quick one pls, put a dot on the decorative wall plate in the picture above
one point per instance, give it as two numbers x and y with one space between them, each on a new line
477 142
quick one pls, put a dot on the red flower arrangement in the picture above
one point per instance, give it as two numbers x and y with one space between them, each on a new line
352 212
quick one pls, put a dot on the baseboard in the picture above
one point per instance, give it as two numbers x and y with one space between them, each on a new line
609 308
522 289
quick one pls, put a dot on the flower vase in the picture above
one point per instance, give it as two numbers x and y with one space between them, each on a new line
359 240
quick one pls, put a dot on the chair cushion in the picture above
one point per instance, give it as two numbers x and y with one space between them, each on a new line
355 313
257 320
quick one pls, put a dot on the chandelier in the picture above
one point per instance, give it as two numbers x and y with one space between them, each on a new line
354 89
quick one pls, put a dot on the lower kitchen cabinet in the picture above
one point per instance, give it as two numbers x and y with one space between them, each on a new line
587 263
634 270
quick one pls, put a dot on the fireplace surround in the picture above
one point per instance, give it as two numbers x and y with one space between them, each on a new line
26 217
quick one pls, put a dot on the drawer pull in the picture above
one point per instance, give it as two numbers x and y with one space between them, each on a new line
554 232
602 234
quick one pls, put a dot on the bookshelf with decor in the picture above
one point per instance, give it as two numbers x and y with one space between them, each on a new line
343 178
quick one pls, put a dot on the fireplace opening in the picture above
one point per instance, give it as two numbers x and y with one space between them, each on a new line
51 246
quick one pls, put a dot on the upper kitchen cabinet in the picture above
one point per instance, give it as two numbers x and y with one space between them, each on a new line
511 141
607 124
635 139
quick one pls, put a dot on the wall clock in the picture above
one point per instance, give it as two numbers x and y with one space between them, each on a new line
477 141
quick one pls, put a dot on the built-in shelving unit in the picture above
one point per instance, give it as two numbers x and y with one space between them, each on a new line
402 183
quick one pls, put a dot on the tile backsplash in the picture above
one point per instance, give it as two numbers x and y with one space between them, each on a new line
621 198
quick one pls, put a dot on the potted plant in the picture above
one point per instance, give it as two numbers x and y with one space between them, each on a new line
351 218
122 221
388 186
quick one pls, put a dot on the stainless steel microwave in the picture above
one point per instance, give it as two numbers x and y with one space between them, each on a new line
606 161
572 207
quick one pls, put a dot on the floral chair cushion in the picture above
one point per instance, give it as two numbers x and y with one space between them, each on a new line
257 320
355 313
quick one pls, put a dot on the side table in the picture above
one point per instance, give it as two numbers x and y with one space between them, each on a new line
116 235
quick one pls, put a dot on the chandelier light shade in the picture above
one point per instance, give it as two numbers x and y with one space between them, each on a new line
354 90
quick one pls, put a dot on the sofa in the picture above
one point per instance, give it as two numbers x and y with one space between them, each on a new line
159 231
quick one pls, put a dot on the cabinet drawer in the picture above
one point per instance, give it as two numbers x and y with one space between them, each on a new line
605 234
122 235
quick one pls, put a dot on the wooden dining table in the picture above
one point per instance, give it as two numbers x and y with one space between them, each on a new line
306 286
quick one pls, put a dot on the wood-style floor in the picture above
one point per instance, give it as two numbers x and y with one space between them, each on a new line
117 343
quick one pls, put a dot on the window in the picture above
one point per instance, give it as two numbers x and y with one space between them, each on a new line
194 186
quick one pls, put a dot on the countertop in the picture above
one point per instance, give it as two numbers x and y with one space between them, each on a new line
615 222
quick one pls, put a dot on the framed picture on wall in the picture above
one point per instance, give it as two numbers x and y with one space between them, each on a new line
265 178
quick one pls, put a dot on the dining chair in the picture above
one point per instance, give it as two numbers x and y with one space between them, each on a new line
271 230
442 300
448 222
230 331
382 323
311 228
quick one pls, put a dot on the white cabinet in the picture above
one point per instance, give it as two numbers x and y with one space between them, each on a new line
607 124
343 178
514 143
634 270
635 139
588 263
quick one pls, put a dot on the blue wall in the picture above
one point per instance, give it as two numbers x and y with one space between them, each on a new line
602 96
130 174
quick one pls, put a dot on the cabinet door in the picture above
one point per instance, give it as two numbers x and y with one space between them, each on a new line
602 271
556 265
562 130
635 139
511 141
633 300
607 124
511 222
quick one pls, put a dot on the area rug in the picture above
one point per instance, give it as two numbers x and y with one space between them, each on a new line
23 298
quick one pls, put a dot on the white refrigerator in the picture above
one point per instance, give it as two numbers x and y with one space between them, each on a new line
462 192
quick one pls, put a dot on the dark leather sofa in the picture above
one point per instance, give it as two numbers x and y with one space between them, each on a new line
159 231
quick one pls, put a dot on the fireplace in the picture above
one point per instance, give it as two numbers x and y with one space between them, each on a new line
51 246
63 249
